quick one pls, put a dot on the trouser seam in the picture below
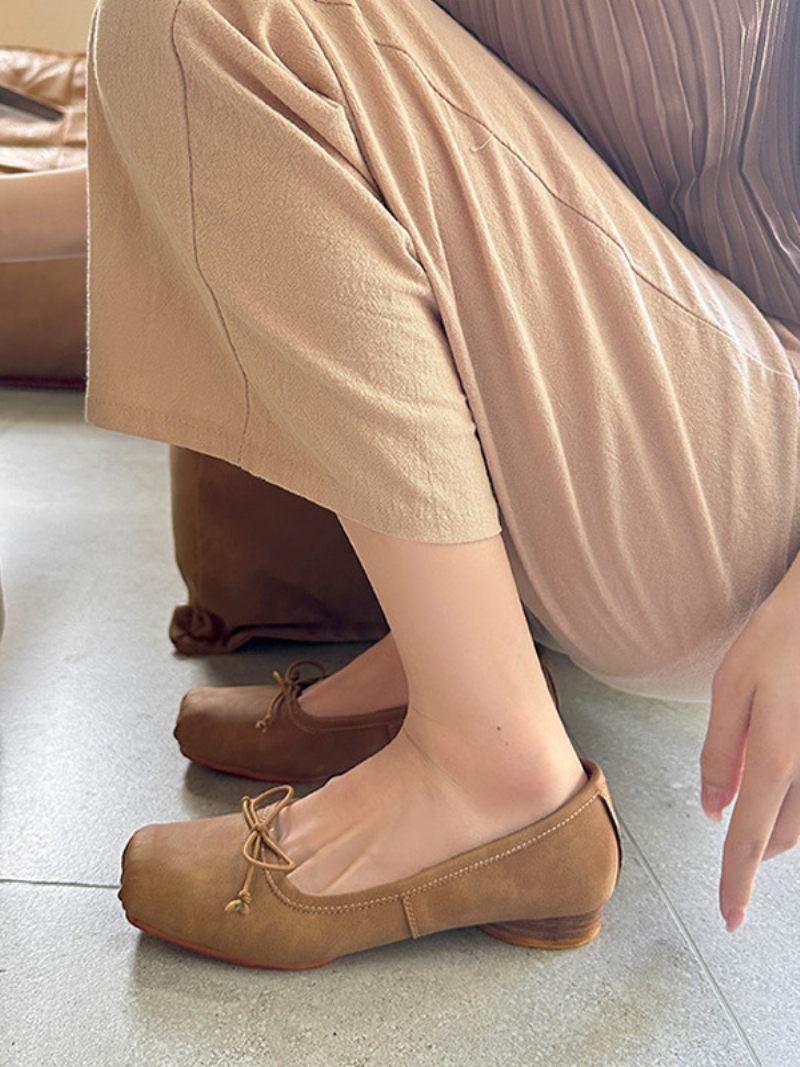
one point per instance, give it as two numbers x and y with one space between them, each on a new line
411 243
593 222
212 294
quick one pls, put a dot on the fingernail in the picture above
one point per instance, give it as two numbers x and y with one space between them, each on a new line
734 919
712 801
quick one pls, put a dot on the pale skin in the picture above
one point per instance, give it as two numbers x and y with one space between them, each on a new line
482 742
43 215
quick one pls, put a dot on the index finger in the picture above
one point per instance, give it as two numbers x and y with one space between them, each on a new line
765 782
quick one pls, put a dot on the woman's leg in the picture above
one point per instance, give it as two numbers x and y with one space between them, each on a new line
482 750
43 215
373 680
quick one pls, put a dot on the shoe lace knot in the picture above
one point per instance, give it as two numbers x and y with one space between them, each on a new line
259 839
289 686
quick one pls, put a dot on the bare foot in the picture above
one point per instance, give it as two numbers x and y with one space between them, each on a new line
405 809
371 682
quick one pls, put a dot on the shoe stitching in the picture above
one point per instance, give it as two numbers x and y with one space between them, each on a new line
358 905
408 908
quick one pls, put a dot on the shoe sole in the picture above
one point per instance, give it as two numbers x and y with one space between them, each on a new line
205 951
560 933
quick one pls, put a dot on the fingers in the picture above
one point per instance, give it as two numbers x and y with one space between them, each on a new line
752 747
764 786
786 832
722 755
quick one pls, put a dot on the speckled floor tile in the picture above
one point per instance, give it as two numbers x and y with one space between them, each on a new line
650 752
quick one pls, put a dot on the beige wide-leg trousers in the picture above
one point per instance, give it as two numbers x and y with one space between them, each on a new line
342 245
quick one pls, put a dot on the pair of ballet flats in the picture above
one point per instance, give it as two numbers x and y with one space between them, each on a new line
219 886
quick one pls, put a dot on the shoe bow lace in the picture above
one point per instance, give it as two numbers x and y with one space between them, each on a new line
288 687
258 839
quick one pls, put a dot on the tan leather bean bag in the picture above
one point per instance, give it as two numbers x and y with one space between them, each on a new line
261 562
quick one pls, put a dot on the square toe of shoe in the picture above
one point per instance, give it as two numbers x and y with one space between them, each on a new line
215 738
192 727
178 877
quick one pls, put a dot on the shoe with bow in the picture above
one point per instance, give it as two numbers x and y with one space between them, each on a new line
206 886
216 728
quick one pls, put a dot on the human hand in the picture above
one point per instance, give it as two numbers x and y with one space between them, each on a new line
752 747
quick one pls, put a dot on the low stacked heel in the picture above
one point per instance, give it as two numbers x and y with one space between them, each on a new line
566 931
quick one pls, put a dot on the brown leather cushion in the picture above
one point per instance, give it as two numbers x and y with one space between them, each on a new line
261 562
43 326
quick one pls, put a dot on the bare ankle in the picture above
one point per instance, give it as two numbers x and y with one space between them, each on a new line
373 681
497 769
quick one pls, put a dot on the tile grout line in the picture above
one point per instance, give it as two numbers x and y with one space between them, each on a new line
682 927
684 930
64 885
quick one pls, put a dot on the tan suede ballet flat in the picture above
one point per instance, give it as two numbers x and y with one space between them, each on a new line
220 888
285 743
216 728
